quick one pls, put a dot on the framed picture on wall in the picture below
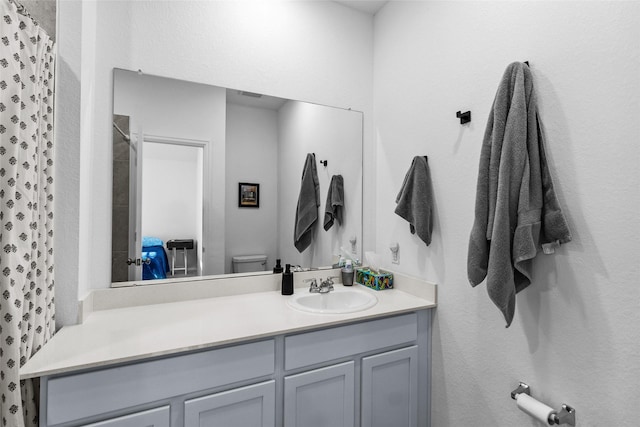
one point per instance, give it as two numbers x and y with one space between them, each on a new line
248 195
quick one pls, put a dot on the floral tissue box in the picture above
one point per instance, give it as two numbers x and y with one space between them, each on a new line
378 281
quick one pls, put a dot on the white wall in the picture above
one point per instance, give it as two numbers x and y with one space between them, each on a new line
332 134
314 51
75 67
172 191
575 335
252 156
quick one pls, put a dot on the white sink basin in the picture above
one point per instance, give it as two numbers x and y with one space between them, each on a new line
340 300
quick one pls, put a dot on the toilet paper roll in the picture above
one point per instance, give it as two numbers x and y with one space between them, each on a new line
536 409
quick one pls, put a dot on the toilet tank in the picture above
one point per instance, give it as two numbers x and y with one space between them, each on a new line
247 263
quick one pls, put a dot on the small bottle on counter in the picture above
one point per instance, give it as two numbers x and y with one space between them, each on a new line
287 281
278 267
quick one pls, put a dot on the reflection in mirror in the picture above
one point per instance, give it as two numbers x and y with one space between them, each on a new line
181 151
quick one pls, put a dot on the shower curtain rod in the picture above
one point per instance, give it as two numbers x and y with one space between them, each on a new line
124 135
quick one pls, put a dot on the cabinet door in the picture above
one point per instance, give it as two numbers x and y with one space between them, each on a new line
320 398
252 406
158 417
390 389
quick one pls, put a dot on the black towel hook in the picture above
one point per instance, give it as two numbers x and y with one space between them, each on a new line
322 162
464 117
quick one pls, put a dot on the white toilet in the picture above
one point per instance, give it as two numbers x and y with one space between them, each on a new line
248 263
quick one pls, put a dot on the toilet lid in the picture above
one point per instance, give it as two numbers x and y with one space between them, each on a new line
249 258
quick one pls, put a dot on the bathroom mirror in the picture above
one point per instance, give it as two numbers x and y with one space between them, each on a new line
208 178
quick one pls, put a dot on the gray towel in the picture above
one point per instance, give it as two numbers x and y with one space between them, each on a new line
415 200
335 202
308 202
517 210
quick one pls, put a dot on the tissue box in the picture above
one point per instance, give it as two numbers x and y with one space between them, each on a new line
377 281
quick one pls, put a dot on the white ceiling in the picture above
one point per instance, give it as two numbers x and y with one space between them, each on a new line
367 6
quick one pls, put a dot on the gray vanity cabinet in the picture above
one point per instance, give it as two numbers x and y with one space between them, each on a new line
251 406
319 398
372 373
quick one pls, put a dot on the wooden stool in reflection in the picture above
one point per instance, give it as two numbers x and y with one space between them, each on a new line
174 246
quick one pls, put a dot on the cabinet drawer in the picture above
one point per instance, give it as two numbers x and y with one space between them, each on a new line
158 417
320 346
126 386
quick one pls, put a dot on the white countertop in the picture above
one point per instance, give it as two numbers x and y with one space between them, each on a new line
133 333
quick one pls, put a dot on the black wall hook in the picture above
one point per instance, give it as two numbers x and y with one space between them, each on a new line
322 162
464 117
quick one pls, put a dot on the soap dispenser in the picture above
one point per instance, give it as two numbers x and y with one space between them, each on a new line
278 267
287 281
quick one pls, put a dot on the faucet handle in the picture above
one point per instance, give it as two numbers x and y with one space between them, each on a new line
314 284
327 284
329 280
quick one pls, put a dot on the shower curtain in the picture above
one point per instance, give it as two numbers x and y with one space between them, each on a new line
26 199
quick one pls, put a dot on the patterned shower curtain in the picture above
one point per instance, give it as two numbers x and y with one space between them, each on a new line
26 199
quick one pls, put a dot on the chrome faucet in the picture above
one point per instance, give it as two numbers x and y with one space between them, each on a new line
325 286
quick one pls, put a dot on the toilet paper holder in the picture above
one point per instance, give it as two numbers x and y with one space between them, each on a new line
565 415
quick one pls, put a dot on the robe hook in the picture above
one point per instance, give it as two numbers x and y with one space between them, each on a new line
464 117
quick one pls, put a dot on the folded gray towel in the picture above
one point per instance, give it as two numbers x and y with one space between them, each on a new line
415 200
335 202
517 210
308 202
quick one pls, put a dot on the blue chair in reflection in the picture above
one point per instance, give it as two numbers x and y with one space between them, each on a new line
155 264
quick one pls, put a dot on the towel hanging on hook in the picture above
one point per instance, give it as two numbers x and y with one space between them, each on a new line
415 199
513 141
